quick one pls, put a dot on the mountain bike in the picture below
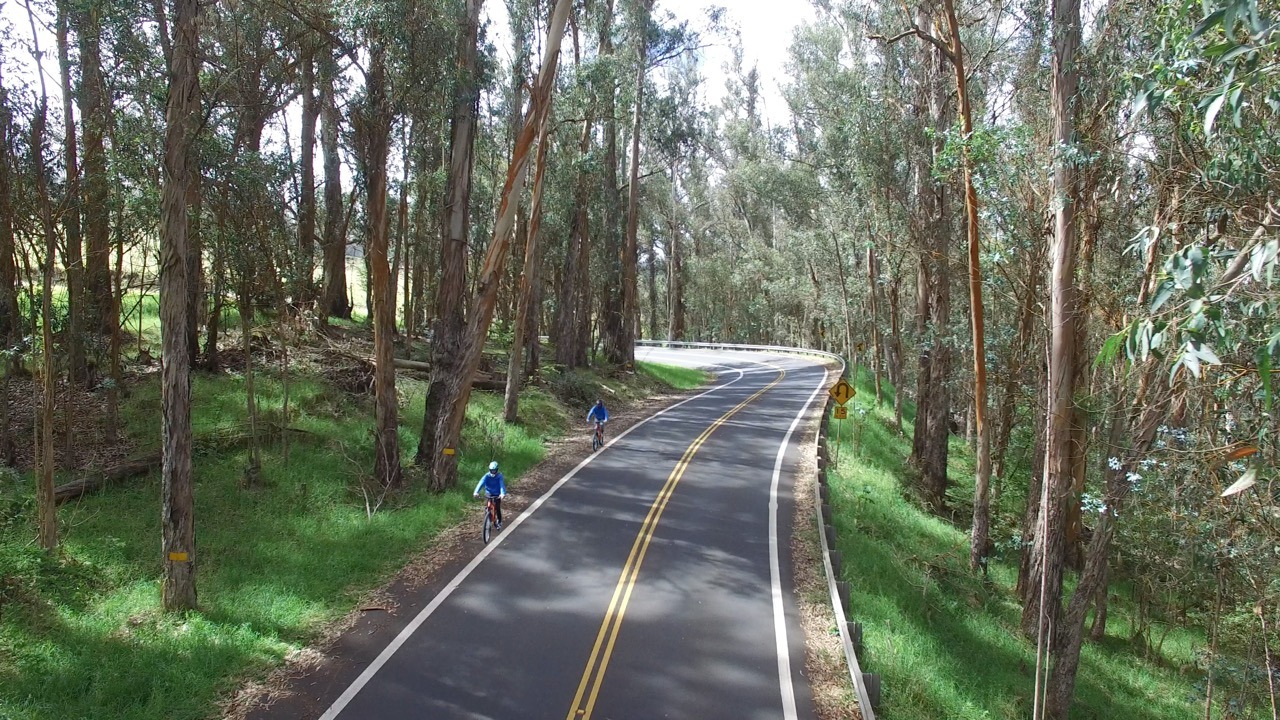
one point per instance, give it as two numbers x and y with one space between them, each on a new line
490 517
597 439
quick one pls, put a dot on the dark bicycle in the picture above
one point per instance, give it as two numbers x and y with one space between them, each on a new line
490 517
597 439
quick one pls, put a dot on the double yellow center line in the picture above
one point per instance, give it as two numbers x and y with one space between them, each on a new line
584 701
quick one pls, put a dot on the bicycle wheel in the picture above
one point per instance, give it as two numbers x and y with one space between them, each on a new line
595 441
488 524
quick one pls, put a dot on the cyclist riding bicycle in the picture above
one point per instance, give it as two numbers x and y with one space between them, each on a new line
600 415
494 487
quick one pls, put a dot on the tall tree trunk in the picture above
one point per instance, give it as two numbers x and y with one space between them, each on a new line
446 345
937 208
96 111
895 365
982 474
630 254
612 307
47 509
675 274
573 308
195 245
872 293
303 290
1147 410
178 512
1043 607
1031 512
377 118
920 431
10 322
77 369
845 303
653 286
245 306
117 295
335 302
445 467
1018 359
528 283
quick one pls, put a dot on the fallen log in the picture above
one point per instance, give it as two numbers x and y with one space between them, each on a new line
104 478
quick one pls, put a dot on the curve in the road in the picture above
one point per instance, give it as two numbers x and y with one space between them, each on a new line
701 586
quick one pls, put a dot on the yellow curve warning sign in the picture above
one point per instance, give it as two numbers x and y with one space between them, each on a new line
842 392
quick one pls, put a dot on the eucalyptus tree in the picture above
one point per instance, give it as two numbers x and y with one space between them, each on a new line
457 390
447 336
47 532
178 589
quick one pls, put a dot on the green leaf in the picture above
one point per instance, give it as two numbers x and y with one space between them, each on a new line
1246 481
1163 293
1208 22
1264 373
1192 361
1211 115
1206 355
1110 349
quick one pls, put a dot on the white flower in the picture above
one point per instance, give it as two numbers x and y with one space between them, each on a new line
1113 463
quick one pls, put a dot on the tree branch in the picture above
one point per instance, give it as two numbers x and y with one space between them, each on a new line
915 30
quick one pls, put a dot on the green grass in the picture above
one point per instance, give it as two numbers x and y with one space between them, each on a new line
945 643
677 377
81 634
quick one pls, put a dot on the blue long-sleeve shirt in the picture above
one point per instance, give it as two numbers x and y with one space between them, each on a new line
492 483
598 412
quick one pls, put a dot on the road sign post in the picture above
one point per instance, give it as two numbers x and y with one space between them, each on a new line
842 392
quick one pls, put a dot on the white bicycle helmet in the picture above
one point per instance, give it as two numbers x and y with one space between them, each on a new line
493 465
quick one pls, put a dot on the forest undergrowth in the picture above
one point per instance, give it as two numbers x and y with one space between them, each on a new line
284 551
944 640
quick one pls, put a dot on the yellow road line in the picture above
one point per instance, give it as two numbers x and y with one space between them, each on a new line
609 628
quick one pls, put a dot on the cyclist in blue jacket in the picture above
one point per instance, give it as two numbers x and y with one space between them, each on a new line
494 487
599 414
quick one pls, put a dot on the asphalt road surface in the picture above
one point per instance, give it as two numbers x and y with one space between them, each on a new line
653 582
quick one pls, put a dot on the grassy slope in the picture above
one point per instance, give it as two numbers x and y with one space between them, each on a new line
81 637
945 644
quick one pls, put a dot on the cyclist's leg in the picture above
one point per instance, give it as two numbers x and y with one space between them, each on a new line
497 508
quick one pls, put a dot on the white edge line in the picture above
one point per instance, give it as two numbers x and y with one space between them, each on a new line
851 656
363 679
775 570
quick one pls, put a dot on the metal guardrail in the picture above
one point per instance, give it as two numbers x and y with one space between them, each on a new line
866 685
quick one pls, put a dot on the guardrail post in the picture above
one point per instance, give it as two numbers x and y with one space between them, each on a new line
871 681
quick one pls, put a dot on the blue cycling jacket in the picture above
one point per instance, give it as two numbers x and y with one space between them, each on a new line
598 412
492 483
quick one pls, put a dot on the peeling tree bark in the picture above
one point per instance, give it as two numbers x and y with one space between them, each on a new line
47 510
303 289
446 346
457 388
178 513
335 302
526 308
376 118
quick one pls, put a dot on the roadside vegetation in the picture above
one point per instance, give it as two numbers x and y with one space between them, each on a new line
285 548
946 640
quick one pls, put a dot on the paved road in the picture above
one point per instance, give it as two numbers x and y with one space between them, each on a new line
645 586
